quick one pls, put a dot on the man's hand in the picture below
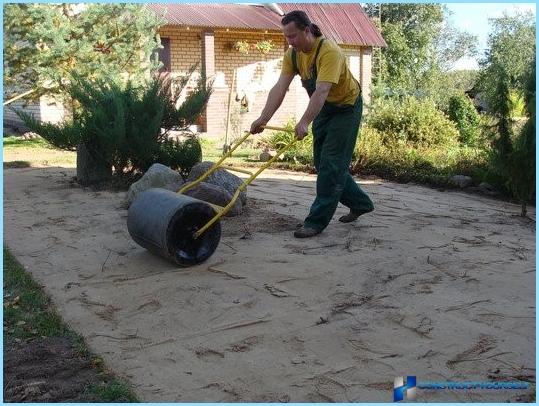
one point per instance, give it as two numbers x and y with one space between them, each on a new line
301 130
258 125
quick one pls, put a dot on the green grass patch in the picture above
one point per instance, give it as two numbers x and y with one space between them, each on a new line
244 154
27 310
113 391
19 153
18 142
17 164
29 315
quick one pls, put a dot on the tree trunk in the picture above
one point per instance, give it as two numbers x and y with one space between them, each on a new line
90 169
524 208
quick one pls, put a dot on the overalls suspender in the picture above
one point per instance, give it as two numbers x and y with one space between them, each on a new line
308 84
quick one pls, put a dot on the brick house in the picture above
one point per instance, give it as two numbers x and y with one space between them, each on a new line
208 35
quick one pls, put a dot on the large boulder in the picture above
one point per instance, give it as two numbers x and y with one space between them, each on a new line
220 177
461 181
157 175
210 193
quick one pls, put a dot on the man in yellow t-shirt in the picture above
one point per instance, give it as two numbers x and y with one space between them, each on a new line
335 108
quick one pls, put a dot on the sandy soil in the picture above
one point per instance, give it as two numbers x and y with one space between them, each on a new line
440 285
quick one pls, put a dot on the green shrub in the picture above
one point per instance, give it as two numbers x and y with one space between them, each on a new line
462 112
127 128
301 152
181 156
412 122
518 104
405 162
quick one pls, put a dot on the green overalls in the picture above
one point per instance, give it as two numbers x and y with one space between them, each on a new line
335 131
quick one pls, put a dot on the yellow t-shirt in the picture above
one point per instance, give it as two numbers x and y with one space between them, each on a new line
331 66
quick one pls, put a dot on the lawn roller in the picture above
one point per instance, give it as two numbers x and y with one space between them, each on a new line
183 229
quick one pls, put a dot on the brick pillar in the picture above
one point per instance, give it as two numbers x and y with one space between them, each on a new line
208 53
366 73
208 69
216 112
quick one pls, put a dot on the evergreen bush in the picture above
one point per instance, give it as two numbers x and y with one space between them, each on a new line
126 128
462 112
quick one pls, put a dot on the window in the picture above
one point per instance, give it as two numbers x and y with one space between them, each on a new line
164 55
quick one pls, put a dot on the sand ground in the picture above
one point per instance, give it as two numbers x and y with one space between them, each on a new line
440 285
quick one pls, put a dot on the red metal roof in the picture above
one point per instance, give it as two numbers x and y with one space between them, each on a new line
343 23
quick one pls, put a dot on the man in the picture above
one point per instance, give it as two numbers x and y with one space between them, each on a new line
335 105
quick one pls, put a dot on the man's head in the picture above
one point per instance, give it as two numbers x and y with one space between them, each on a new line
299 31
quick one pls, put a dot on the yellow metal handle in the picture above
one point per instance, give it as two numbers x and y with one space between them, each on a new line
227 155
270 127
224 210
246 183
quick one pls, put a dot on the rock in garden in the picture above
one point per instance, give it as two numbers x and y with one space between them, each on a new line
215 194
461 181
488 189
266 155
30 136
157 176
220 177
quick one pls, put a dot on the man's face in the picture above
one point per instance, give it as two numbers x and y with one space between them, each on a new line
296 38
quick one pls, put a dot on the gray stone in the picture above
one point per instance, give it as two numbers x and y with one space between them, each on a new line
267 154
210 193
264 156
174 186
220 177
157 176
487 187
30 136
461 181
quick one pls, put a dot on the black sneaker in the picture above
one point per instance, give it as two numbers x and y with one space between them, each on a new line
352 216
306 232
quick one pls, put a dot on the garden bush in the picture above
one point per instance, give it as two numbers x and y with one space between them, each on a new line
125 129
405 162
301 152
412 122
462 112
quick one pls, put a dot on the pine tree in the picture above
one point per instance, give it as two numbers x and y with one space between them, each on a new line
523 155
123 129
44 44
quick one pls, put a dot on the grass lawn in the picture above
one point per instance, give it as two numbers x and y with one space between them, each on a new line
30 319
19 153
247 156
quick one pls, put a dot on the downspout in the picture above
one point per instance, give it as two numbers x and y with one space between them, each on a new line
275 8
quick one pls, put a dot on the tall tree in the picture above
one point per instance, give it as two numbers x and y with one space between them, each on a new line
511 51
45 43
421 44
523 157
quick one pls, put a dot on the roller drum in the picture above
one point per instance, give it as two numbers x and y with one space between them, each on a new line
164 223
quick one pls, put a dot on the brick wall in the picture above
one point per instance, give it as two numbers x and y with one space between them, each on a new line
185 47
46 109
366 73
256 74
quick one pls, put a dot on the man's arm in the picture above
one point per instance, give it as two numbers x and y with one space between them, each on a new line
316 103
274 101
